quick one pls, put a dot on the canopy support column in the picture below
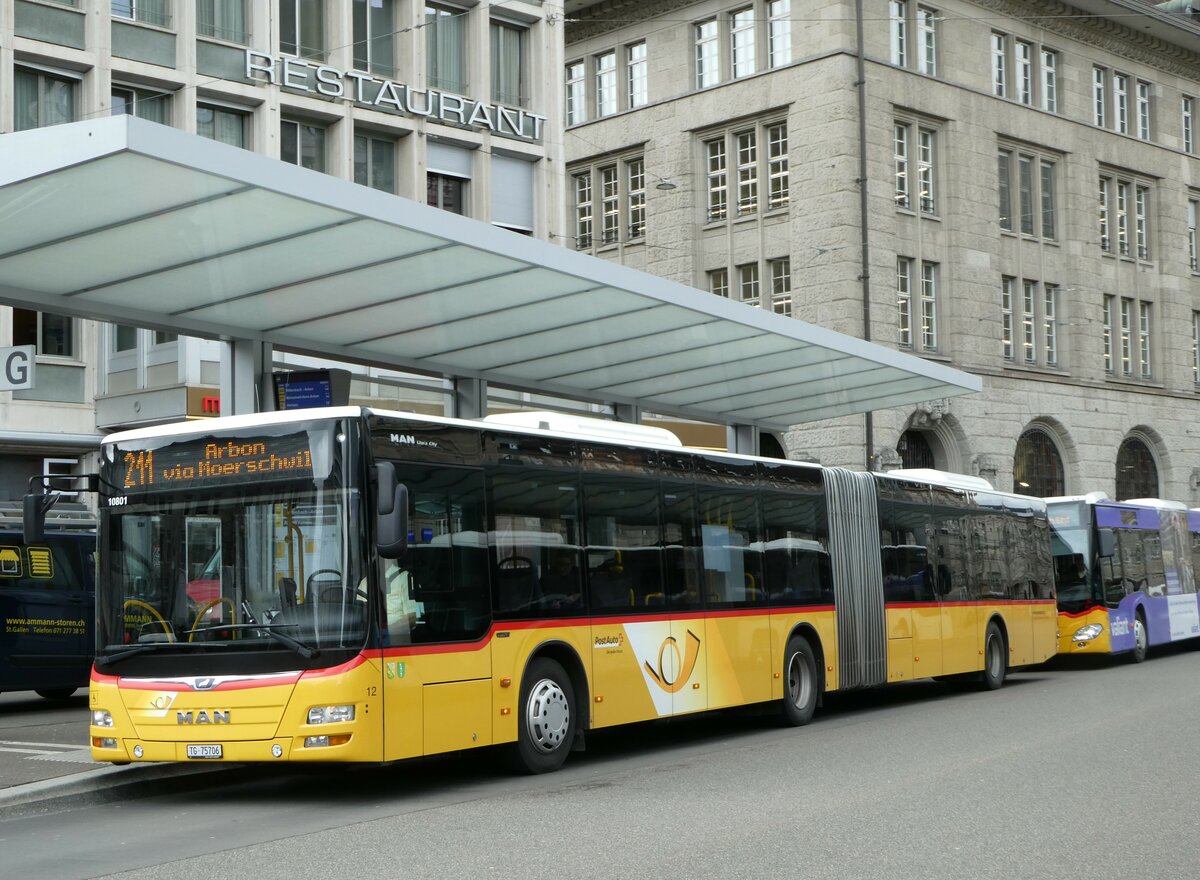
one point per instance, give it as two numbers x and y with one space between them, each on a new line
742 439
628 413
469 400
245 378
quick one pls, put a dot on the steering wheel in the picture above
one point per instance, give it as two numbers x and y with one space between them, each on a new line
515 563
315 580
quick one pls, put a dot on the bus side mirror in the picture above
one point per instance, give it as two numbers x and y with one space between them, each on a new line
1107 543
34 517
391 512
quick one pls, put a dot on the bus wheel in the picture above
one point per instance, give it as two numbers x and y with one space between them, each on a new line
995 663
799 682
56 693
1141 644
546 726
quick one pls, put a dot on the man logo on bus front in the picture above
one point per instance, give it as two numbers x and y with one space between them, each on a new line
204 684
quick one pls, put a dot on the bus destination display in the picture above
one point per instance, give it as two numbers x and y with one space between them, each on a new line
212 462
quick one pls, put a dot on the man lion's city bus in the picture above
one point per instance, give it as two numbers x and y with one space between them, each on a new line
348 584
1125 573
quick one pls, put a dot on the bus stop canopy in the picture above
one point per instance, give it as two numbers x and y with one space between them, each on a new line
123 220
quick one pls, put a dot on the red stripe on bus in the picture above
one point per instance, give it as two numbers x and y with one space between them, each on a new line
971 603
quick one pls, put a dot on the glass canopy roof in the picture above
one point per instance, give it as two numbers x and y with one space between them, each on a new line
123 220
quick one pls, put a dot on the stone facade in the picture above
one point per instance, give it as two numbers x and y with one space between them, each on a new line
1087 404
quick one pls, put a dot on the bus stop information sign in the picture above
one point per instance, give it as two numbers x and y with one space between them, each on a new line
304 389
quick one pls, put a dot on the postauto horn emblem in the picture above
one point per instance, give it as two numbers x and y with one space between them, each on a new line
662 675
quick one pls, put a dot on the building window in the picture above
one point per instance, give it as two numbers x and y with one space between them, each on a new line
583 210
222 20
1144 365
904 301
1193 214
718 282
302 144
302 28
1000 65
781 285
1028 322
124 338
636 177
606 84
610 206
779 33
1108 334
636 78
155 12
375 162
1189 124
746 144
708 61
915 451
1137 473
748 283
904 134
778 186
1121 102
1006 317
223 124
1037 184
613 192
1143 110
446 191
1126 336
161 337
445 48
576 94
927 41
41 99
929 340
898 15
52 335
510 64
375 36
718 184
1100 96
1049 81
1024 71
1050 324
741 42
1037 466
1119 198
148 104
1196 348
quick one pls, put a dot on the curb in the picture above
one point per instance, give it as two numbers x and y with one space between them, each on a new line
101 785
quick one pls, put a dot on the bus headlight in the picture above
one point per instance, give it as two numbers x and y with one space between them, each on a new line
330 714
101 718
1087 633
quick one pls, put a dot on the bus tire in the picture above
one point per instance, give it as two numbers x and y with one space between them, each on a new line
56 693
1141 640
995 659
546 724
800 682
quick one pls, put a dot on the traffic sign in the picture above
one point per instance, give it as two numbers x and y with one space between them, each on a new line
16 367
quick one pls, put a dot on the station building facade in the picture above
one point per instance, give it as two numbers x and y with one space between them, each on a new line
1009 187
446 103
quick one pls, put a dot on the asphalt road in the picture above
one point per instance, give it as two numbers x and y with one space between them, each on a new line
1066 772
42 739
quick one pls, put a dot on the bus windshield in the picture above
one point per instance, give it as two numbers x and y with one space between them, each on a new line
222 565
1070 529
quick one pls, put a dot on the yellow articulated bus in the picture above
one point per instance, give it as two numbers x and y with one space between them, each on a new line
348 584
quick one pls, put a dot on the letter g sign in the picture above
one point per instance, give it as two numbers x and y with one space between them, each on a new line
17 366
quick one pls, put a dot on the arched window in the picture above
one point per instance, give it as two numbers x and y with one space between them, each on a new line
1037 466
1137 474
915 451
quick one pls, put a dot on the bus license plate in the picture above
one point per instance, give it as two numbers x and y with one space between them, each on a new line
204 751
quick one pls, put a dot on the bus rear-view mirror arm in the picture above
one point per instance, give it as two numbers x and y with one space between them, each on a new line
38 503
391 512
1107 545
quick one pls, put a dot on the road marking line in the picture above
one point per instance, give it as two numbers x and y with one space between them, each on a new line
64 746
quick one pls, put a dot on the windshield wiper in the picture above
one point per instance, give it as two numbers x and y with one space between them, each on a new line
272 630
